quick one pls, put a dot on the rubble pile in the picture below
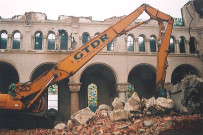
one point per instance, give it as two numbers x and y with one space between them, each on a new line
136 116
187 95
102 125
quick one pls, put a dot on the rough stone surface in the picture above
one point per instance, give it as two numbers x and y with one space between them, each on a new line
69 124
104 109
60 126
119 114
164 103
117 104
187 95
82 116
133 103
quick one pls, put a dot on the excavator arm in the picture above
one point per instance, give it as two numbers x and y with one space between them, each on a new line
24 96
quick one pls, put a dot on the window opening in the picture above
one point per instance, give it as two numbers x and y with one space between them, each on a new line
171 46
85 38
130 44
192 45
53 97
182 45
63 40
92 97
3 40
152 44
38 41
130 91
16 40
51 41
141 41
110 46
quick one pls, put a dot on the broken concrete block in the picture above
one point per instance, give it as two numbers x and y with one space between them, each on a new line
60 126
164 103
134 100
150 102
131 108
148 123
69 124
104 109
133 103
117 103
119 114
82 116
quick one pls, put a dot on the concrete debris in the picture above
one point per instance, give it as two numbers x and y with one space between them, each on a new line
104 109
120 114
164 103
187 95
60 126
82 116
117 104
133 103
70 124
148 123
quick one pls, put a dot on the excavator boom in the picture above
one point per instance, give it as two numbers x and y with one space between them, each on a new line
72 63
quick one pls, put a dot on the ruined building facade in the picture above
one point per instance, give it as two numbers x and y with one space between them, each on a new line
30 44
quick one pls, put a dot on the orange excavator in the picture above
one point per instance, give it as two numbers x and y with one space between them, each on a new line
29 96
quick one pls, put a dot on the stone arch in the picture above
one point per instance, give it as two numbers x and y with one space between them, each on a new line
63 90
181 71
143 77
104 77
9 74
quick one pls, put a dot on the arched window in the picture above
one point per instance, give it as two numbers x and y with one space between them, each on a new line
92 97
130 43
192 45
63 40
141 41
38 41
51 41
16 40
53 97
85 38
182 44
171 46
152 44
3 40
110 46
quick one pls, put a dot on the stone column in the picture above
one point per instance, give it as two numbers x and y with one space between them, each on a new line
177 48
147 46
136 45
121 88
44 44
21 42
32 47
9 46
74 89
187 47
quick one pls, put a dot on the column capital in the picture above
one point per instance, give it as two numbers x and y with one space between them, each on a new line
121 87
74 87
